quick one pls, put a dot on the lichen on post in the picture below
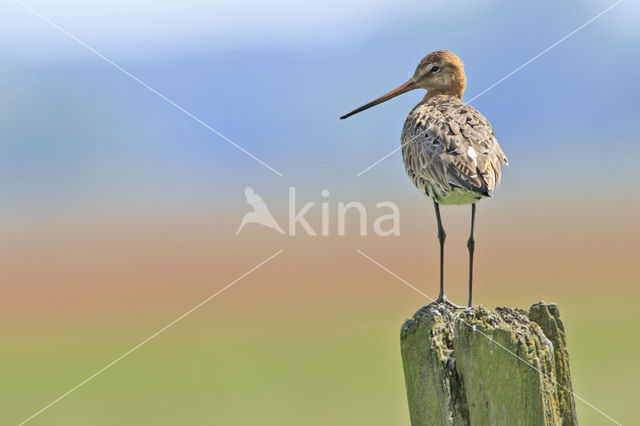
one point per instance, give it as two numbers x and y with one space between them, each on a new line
478 366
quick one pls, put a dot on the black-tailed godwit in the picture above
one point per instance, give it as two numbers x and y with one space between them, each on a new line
449 149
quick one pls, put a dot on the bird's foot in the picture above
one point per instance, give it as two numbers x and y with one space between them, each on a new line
440 301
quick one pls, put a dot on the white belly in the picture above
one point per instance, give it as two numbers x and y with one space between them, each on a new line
459 196
455 196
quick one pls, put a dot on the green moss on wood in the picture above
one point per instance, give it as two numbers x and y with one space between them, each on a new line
548 318
487 367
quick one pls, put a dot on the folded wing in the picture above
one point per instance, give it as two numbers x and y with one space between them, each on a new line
450 143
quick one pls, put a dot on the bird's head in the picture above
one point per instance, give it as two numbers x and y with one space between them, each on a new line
439 73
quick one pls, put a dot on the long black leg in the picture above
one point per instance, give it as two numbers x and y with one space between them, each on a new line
471 244
442 299
441 237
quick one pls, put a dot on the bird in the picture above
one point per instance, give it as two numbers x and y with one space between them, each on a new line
260 214
449 149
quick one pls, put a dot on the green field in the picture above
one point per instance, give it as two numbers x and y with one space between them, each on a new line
263 372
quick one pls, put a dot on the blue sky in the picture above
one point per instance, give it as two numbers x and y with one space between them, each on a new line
275 76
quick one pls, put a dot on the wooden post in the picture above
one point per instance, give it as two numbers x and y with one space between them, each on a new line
484 367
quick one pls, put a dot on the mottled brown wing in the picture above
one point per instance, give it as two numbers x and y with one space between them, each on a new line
423 146
452 144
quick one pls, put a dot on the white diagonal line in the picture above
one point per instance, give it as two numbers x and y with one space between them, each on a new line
385 157
500 81
407 283
149 338
545 51
142 83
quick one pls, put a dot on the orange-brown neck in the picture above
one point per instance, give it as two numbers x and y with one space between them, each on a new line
454 86
443 92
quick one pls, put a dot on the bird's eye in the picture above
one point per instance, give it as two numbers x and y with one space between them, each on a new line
435 68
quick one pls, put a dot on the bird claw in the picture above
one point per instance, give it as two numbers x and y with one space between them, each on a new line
440 301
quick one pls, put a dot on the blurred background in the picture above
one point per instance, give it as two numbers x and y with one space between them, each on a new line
119 211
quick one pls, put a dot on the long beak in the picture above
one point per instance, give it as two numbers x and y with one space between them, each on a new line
409 85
